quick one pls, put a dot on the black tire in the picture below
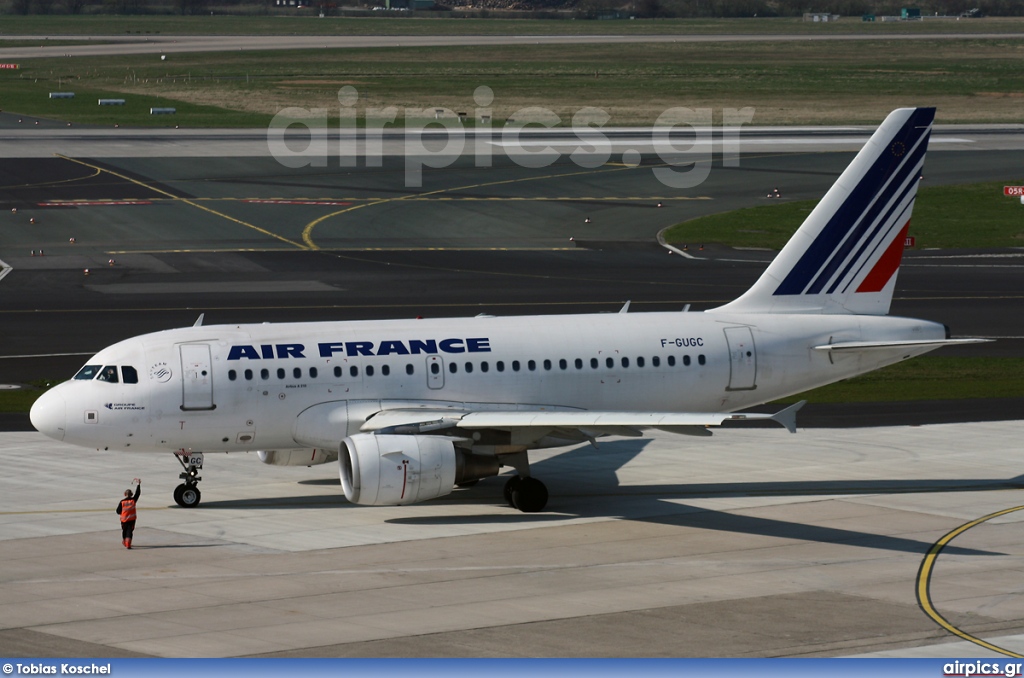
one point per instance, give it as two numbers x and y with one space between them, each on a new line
510 487
530 496
187 496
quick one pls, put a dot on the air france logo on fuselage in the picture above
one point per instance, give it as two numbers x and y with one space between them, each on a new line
354 349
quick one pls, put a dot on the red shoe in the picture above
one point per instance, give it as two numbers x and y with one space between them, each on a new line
124 543
128 543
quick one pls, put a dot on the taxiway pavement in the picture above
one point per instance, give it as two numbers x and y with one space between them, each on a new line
749 543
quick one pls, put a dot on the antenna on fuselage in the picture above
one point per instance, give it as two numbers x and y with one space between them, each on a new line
199 320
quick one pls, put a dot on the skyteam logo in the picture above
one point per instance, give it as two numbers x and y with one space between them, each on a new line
161 372
361 348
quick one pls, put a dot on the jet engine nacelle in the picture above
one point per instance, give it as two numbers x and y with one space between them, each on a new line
301 457
393 470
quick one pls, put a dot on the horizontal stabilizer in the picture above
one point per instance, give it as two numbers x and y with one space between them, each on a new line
916 343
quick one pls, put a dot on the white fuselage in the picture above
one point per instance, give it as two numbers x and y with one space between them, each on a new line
243 387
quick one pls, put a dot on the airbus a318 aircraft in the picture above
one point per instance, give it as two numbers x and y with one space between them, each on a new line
411 408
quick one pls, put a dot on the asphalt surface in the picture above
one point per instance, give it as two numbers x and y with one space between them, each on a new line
750 543
176 44
245 239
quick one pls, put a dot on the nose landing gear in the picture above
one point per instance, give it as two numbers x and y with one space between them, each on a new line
187 495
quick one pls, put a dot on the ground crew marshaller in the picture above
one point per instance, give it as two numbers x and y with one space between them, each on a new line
126 509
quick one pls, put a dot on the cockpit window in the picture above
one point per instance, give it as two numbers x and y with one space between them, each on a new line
108 373
88 372
129 374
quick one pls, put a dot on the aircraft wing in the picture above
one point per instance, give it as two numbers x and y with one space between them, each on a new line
588 422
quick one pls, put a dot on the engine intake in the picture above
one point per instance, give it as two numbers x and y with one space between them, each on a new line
394 470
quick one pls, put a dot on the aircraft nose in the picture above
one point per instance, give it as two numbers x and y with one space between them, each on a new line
49 415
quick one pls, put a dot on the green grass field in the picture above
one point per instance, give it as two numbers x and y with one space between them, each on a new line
945 217
428 24
31 97
928 378
787 82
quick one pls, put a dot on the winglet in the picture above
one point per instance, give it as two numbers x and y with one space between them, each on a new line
199 320
787 417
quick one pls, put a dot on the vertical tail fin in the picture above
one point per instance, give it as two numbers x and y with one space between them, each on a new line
845 256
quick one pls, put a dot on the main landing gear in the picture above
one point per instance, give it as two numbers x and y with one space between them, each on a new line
522 491
187 495
527 494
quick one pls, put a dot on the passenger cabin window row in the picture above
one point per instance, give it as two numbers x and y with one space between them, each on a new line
296 373
435 368
129 375
578 363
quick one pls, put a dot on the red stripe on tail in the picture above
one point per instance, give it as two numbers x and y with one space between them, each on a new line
887 265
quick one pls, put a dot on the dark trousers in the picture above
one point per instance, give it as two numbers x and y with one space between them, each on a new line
127 528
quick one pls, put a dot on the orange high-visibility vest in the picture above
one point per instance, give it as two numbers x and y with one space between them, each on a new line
127 510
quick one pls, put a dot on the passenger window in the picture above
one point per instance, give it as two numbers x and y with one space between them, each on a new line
700 359
656 361
579 364
409 369
264 374
562 364
453 367
593 363
297 373
129 375
686 361
610 362
385 370
353 371
547 364
671 361
531 365
640 362
515 365
625 362
369 370
337 370
232 375
88 372
435 368
312 373
500 365
280 373
248 375
469 367
484 366
108 373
